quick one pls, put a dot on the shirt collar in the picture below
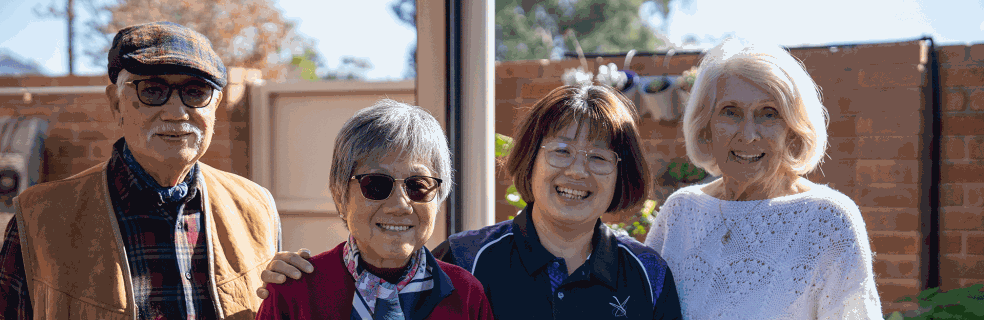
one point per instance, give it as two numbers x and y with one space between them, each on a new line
139 183
603 262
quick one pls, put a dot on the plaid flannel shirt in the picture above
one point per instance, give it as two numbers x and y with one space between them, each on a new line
163 233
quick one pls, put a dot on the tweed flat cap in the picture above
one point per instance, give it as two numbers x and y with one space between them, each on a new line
165 48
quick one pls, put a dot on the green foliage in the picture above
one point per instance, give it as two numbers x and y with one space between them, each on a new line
513 197
686 172
503 144
962 303
307 63
639 221
527 30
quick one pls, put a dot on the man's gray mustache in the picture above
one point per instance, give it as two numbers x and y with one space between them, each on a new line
183 128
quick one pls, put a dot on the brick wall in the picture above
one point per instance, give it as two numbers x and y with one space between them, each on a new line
874 95
81 127
962 176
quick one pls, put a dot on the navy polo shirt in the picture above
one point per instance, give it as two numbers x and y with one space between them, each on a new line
621 279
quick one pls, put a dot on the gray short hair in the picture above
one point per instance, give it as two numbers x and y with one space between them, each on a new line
389 126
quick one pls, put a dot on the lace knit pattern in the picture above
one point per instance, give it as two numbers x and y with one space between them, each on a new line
802 256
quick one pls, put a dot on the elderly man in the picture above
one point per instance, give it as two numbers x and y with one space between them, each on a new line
152 233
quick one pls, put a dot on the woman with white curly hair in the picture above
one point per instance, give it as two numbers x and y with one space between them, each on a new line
762 241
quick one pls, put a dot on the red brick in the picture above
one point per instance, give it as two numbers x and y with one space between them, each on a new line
887 171
975 244
951 242
959 266
976 53
963 124
962 75
538 88
948 283
890 266
976 99
97 130
100 150
975 144
952 54
953 99
889 147
954 147
889 195
969 282
895 289
44 111
507 89
975 196
890 219
894 75
960 218
894 242
841 173
843 149
660 129
844 126
67 116
897 123
529 69
962 172
72 151
951 194
552 70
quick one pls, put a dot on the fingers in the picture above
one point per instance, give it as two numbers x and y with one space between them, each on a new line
272 277
298 260
262 293
304 253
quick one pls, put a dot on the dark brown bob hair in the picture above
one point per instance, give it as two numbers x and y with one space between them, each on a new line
611 117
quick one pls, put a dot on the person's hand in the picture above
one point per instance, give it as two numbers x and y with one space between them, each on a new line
284 264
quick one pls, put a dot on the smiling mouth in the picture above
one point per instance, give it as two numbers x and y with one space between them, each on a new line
393 227
745 158
572 194
174 135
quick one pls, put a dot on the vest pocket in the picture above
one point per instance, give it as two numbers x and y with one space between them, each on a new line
51 303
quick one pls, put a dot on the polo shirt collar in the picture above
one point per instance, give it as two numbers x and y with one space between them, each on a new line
603 262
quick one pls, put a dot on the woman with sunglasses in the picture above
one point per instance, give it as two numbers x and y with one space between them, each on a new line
577 156
389 172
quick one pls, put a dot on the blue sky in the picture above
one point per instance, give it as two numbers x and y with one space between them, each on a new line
367 28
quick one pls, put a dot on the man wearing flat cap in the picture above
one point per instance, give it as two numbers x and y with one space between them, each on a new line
152 233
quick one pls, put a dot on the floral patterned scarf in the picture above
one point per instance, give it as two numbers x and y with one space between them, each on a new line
371 290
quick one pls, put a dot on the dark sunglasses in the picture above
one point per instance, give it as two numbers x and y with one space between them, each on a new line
377 186
156 92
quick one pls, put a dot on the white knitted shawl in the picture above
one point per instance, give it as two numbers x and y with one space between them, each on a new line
802 256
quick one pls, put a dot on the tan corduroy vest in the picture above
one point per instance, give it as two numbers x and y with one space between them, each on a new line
75 260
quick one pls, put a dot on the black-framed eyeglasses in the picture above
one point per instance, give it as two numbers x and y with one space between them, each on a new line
156 92
562 155
378 186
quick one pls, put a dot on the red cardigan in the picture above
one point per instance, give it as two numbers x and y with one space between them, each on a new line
327 293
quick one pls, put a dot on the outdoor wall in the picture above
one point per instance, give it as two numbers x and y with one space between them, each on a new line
82 129
962 164
874 96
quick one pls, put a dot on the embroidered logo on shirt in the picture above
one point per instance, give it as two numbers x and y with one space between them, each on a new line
619 310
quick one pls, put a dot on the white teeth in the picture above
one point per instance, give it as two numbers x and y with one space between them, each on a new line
747 157
571 193
393 227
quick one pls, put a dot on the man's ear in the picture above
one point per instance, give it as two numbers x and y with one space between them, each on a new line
114 100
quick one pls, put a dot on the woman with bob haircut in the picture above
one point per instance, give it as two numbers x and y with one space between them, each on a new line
390 170
761 241
577 155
